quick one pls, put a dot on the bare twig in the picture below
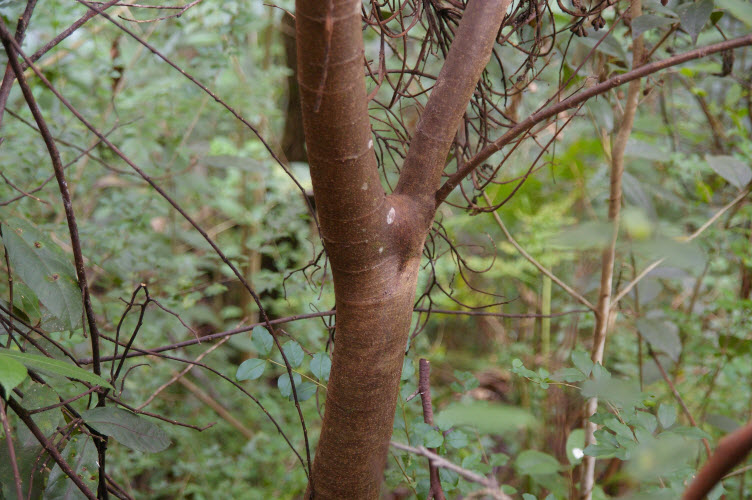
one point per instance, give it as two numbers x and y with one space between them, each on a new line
424 387
11 451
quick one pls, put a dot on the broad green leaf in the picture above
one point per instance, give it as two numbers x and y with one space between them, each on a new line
408 369
54 366
251 369
26 300
488 418
535 463
283 383
43 267
262 340
694 16
575 445
666 415
661 334
583 362
661 456
621 393
81 454
735 171
321 365
127 428
456 439
306 390
12 373
294 353
740 9
569 375
647 22
685 255
432 439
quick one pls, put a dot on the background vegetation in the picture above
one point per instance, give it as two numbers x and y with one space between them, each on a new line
509 349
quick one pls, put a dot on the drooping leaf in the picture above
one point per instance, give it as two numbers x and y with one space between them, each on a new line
262 340
694 15
251 369
81 454
54 366
321 366
12 373
43 267
735 171
129 429
661 334
294 353
647 22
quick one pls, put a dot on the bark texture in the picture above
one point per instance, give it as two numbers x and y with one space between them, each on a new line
373 240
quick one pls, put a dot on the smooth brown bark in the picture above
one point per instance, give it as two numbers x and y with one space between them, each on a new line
373 240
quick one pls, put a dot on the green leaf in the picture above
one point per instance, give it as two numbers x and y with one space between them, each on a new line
536 463
575 445
54 366
12 373
488 418
456 439
251 369
321 366
81 454
127 428
740 9
408 369
42 266
26 300
306 390
621 393
569 375
694 16
647 22
294 353
589 235
666 415
735 171
661 334
262 340
283 384
583 362
433 439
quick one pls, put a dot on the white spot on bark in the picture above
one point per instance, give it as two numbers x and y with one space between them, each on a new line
381 249
370 143
390 216
364 187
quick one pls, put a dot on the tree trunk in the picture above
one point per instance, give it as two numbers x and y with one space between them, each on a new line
374 241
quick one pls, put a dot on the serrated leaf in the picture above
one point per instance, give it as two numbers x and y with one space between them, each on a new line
735 171
536 463
432 439
661 334
54 366
262 340
694 16
666 415
251 369
647 22
127 428
42 266
456 439
294 353
583 362
12 373
321 366
81 454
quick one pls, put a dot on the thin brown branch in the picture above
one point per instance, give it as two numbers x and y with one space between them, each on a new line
424 388
11 451
579 98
